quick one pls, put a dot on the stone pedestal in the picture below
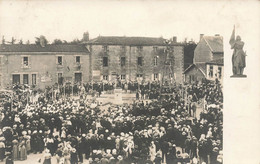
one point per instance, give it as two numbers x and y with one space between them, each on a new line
118 96
238 76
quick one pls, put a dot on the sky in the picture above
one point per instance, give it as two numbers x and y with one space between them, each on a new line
68 20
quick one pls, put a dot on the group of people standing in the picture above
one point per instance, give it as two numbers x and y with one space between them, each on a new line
67 130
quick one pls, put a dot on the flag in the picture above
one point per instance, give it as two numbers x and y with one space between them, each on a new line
232 38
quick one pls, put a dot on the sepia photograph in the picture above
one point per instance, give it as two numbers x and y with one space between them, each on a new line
129 82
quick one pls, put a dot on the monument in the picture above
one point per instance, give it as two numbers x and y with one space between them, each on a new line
238 57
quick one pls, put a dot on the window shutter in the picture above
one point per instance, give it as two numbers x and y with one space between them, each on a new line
29 61
21 61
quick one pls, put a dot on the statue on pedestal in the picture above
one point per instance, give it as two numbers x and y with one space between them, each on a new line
239 56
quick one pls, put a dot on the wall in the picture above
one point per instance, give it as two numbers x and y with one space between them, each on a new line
215 72
202 52
194 71
43 64
131 69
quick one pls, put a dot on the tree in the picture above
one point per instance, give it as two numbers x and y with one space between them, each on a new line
57 41
75 41
41 40
21 41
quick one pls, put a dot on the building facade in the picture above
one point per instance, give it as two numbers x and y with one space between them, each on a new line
215 70
208 60
43 65
136 58
195 73
209 48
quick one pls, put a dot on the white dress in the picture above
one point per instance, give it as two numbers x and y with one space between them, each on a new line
152 149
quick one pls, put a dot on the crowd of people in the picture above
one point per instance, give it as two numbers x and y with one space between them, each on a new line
71 131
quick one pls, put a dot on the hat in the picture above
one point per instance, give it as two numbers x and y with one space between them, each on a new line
120 158
73 150
114 152
215 149
158 154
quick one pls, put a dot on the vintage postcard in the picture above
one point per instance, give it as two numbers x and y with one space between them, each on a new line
129 82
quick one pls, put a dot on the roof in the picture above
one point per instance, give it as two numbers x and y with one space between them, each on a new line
215 43
123 40
38 48
217 61
201 67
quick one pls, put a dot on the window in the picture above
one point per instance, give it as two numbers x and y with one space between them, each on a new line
155 61
105 77
122 77
105 48
60 79
59 60
155 48
140 61
25 79
219 72
122 61
155 76
211 71
139 48
16 79
139 75
33 79
25 61
77 59
105 61
78 78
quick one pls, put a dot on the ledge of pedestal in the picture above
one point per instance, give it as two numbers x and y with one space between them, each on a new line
238 76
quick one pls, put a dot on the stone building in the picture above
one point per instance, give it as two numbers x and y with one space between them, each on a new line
43 65
136 58
195 73
209 48
208 60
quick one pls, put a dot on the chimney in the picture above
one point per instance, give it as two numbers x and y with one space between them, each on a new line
174 39
201 36
85 37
